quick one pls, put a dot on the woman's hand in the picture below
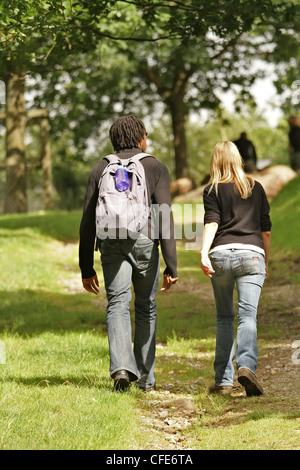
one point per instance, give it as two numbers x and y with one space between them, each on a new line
206 265
209 232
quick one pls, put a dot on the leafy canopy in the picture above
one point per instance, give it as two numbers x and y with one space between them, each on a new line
31 30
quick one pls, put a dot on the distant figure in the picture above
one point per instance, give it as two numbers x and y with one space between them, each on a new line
247 151
294 142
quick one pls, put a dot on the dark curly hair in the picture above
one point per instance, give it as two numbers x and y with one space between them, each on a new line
126 132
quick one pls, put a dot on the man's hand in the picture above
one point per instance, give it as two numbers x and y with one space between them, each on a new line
168 281
91 284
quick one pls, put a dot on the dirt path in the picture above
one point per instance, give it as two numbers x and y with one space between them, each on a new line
171 409
279 367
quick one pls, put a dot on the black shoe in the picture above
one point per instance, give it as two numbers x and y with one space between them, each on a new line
121 380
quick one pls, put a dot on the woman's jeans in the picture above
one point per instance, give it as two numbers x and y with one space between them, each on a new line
246 269
128 262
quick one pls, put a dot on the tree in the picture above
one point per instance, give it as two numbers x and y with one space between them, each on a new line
216 53
38 35
286 58
196 47
199 60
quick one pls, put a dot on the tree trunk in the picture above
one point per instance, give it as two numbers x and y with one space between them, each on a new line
46 162
177 109
173 97
15 188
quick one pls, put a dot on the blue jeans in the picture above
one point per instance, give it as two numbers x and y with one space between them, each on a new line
246 269
127 262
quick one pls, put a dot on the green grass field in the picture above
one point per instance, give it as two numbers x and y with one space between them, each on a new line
55 390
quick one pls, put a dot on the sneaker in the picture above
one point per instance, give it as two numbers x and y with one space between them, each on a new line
121 381
221 389
250 382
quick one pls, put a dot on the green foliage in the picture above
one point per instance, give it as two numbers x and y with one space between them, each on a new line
287 80
213 55
92 60
33 30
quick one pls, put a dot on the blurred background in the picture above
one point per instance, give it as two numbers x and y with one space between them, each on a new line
196 72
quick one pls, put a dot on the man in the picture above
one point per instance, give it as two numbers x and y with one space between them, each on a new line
247 151
294 142
130 261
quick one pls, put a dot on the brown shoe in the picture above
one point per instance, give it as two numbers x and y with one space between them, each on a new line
221 389
250 382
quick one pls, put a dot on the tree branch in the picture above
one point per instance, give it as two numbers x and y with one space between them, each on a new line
230 43
173 4
129 38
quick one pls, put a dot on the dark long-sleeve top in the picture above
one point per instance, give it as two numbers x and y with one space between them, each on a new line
240 221
246 149
294 137
158 185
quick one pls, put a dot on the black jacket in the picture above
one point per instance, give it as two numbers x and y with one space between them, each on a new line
158 183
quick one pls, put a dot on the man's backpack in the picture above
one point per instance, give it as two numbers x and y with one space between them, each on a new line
122 214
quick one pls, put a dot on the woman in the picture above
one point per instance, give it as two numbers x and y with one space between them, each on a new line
235 250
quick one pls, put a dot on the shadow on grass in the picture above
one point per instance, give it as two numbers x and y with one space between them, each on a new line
77 381
31 312
60 225
28 312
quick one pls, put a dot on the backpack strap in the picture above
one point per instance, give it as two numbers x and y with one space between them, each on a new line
112 158
139 156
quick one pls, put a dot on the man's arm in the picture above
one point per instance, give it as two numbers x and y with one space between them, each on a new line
162 198
87 234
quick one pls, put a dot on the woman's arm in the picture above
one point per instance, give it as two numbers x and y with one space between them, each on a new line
209 233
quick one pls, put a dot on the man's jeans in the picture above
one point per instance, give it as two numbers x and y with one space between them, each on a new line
127 262
246 269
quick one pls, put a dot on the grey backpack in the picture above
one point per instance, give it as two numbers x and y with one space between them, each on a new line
122 214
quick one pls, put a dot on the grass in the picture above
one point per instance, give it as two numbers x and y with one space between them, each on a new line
55 394
253 433
285 246
55 390
286 221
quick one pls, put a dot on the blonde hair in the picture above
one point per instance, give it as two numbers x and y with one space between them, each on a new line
226 166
